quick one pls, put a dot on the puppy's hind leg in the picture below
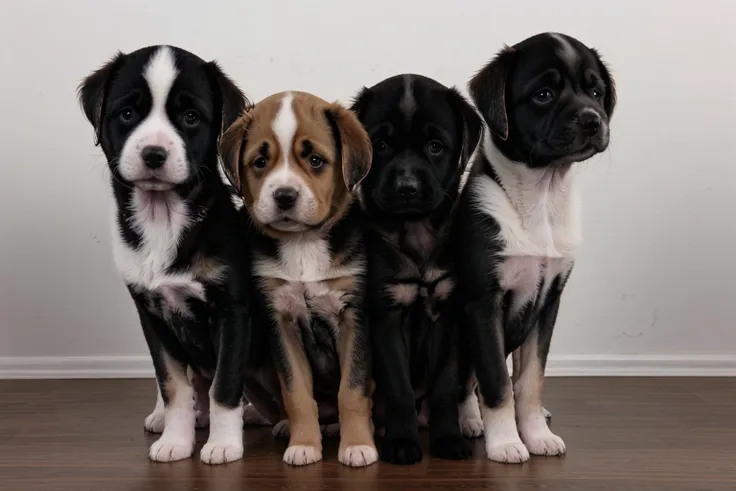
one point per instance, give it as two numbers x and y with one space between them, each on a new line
533 427
471 423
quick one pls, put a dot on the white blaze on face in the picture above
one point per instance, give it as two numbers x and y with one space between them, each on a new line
156 129
284 173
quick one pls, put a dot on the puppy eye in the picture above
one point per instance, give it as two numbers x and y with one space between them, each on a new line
191 118
259 162
435 147
126 115
597 94
379 146
316 161
543 96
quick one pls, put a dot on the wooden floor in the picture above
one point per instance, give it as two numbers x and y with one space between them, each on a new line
622 434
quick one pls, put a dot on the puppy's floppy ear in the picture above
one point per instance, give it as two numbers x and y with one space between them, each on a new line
354 145
609 101
231 148
93 90
488 90
471 123
231 98
361 101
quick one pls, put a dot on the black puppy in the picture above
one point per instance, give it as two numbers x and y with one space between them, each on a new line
423 134
547 102
178 240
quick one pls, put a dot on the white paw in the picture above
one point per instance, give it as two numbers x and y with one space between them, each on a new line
471 427
358 455
510 452
331 430
544 443
202 419
302 455
170 450
281 429
220 453
154 423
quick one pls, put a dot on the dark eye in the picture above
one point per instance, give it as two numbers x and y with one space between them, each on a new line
597 94
543 96
435 147
259 162
316 161
191 118
379 146
126 115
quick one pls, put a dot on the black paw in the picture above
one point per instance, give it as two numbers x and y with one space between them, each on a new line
450 447
402 451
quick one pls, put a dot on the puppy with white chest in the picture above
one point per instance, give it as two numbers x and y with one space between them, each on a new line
295 159
177 238
547 102
423 135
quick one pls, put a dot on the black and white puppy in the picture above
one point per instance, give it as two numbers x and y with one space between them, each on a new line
547 102
423 134
178 240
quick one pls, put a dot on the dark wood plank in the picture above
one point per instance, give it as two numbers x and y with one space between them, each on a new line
641 434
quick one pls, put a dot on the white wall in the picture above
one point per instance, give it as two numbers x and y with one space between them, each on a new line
655 283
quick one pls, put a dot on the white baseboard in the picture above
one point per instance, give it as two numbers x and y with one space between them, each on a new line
80 367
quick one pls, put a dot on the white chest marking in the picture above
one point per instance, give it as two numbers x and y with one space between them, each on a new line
304 261
160 218
538 213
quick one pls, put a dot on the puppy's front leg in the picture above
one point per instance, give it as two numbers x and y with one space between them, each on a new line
445 439
485 326
391 361
177 440
225 443
295 375
357 447
528 385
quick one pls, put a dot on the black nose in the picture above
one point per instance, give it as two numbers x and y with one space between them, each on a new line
285 197
407 187
590 122
154 156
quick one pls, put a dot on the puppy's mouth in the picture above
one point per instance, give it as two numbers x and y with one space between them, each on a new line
285 224
153 184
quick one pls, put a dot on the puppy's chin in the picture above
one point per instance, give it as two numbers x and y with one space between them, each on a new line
288 225
153 185
406 210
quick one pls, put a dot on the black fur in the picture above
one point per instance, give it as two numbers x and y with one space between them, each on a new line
535 129
213 338
423 134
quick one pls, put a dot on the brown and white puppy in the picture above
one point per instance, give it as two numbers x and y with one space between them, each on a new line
295 158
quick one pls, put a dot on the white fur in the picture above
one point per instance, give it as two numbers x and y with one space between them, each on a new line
225 443
161 218
358 455
154 423
284 126
471 423
177 440
156 128
538 212
503 443
566 51
302 455
304 260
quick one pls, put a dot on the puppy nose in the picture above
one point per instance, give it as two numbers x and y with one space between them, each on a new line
285 197
590 122
407 187
154 156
